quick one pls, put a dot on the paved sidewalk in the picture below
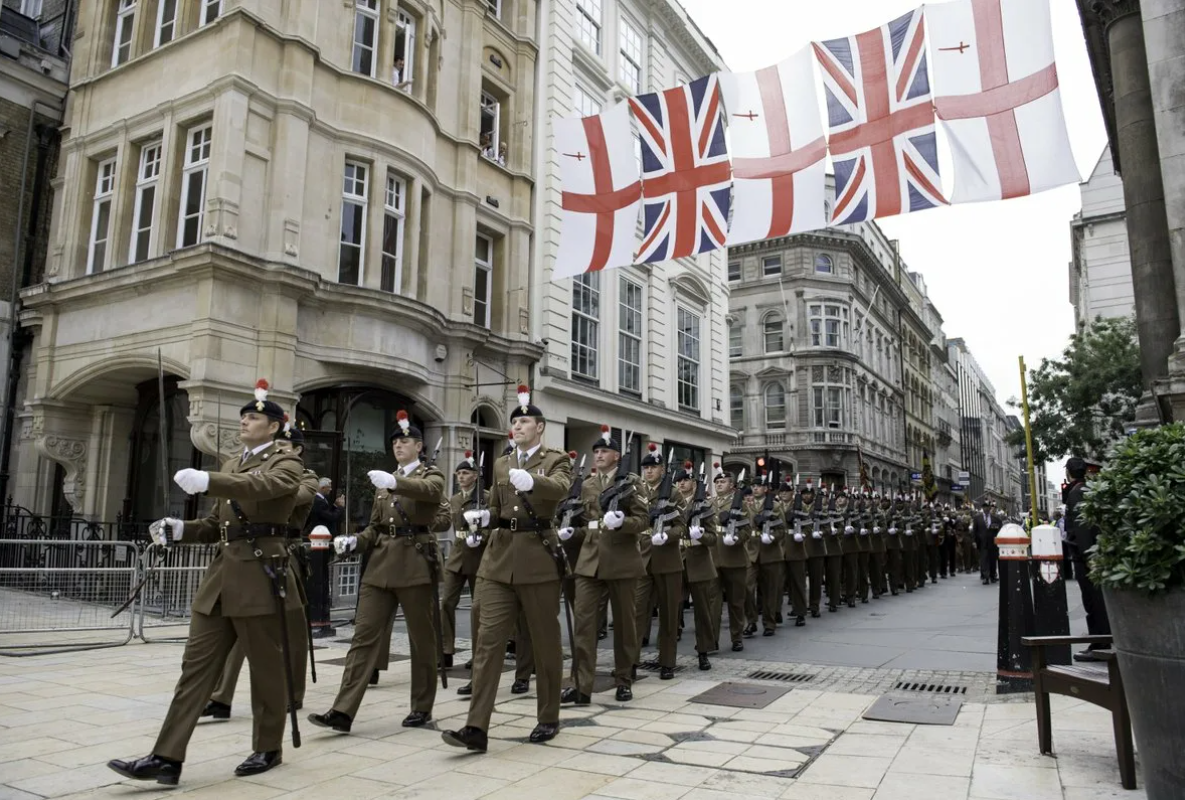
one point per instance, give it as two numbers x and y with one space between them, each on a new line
63 716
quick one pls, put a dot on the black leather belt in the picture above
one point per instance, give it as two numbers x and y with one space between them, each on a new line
524 525
253 530
405 530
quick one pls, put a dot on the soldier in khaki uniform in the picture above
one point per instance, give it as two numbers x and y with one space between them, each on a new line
236 601
699 565
609 564
842 522
463 559
664 564
404 563
521 571
833 561
816 548
732 558
767 536
888 518
298 626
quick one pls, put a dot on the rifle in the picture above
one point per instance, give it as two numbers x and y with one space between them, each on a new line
572 508
767 517
664 510
432 555
478 489
734 516
160 550
699 504
621 488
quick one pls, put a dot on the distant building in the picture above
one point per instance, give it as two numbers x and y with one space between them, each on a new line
1101 272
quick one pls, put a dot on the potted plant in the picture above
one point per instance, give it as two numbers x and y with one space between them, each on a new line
1137 501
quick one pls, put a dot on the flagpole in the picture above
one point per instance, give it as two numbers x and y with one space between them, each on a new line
1024 399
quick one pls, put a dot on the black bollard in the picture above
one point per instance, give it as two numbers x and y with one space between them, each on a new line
1051 616
1014 672
318 586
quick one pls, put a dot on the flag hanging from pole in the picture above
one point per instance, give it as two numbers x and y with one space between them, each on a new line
601 192
881 119
777 148
686 177
996 92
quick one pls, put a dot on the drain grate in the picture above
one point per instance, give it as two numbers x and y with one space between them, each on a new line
931 688
654 666
784 677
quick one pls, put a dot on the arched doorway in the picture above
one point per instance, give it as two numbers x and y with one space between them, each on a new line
490 440
345 430
145 500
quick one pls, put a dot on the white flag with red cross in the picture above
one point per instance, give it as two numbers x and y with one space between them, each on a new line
602 192
777 148
996 94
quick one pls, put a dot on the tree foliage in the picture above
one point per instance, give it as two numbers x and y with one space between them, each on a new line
1079 404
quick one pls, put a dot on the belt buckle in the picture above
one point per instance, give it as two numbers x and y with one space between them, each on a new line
514 523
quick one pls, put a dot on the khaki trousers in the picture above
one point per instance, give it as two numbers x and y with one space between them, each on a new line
501 605
298 633
733 581
814 567
702 593
372 637
772 581
797 580
450 597
669 589
834 568
620 595
211 638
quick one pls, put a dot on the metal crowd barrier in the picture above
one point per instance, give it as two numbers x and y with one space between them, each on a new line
58 595
174 575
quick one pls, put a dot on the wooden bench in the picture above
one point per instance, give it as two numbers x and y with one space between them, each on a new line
1099 684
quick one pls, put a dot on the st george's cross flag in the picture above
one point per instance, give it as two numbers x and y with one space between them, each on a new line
881 118
686 177
996 91
778 150
601 192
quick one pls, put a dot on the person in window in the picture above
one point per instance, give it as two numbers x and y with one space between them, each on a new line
487 145
502 152
397 75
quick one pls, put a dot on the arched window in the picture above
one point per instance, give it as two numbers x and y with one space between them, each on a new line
736 407
824 265
775 406
772 332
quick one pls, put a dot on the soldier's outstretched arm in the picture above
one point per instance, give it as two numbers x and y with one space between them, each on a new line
308 488
429 489
203 530
555 484
280 480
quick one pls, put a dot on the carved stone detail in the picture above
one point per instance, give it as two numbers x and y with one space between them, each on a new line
1108 11
71 454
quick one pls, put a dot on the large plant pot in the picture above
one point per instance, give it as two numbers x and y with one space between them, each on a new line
1150 641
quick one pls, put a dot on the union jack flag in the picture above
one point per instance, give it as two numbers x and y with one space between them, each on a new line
686 177
881 116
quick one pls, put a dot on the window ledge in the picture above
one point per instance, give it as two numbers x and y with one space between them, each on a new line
593 66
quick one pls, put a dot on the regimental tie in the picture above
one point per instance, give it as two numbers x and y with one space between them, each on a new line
522 460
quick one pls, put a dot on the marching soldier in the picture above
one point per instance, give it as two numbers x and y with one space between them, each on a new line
907 521
968 562
794 547
238 596
610 564
404 565
816 548
521 571
861 521
849 546
664 561
887 522
732 559
933 537
298 625
699 564
833 563
769 529
949 549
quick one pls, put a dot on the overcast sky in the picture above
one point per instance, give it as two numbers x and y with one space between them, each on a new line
997 272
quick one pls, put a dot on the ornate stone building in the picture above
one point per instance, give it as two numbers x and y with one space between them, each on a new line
332 195
641 348
1100 269
815 353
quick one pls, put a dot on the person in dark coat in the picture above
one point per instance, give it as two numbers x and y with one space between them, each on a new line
1081 536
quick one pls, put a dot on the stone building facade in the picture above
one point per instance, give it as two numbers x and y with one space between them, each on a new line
1101 269
34 69
332 195
915 338
641 348
816 369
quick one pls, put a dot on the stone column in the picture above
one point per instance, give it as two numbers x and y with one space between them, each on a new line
1157 318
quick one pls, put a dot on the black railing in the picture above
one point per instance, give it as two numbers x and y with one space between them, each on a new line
17 522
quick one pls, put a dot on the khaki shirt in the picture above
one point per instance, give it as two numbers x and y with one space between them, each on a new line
735 556
265 486
668 558
463 559
697 555
515 555
612 554
768 553
397 561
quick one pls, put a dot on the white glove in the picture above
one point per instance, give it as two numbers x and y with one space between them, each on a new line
479 518
864 531
658 539
614 519
767 539
849 530
192 481
696 532
566 534
729 540
381 480
892 531
876 529
344 544
933 529
156 530
816 535
798 537
522 480
473 541
909 531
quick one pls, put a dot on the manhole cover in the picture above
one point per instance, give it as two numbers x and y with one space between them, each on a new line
937 710
341 661
785 677
741 695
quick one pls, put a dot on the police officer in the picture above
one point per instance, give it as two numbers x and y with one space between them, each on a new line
610 564
404 564
522 571
236 600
